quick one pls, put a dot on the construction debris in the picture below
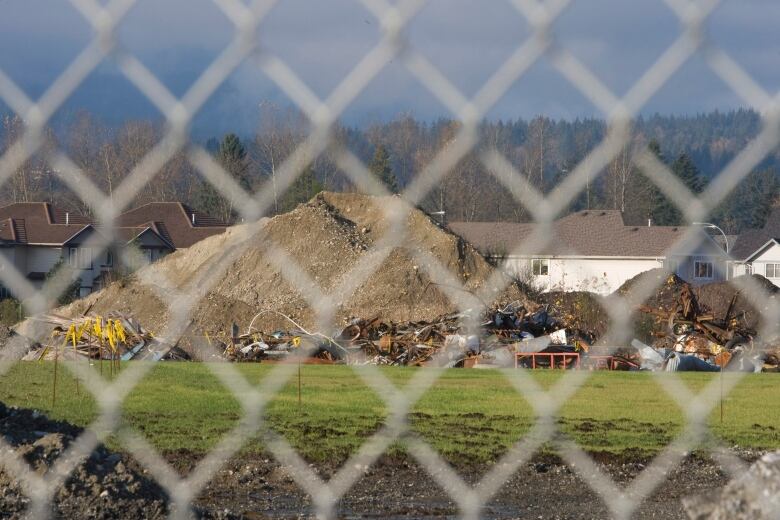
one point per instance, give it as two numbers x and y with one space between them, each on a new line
113 337
689 337
456 339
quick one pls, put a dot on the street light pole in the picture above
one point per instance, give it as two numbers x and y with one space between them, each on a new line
713 226
725 240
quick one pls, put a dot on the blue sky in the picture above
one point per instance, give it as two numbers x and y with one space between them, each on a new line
322 41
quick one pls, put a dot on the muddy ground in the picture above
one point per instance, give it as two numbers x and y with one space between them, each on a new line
113 485
397 487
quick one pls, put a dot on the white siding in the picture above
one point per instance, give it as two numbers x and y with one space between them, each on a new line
598 275
770 256
606 275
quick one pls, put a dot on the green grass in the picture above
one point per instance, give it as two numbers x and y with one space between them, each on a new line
468 416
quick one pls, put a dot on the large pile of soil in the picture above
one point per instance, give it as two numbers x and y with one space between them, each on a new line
326 237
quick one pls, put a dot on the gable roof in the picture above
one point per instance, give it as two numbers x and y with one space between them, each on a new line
42 223
751 240
598 233
179 224
128 234
762 249
39 223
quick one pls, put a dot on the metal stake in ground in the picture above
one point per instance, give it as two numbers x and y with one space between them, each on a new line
54 382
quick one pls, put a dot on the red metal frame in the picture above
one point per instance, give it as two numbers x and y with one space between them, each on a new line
552 355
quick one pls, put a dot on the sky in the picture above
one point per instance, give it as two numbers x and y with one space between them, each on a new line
322 40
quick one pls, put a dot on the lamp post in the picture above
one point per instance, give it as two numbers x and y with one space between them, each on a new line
725 240
713 226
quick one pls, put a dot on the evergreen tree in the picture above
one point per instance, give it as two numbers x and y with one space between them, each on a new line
232 156
380 166
688 173
749 205
303 188
666 212
643 196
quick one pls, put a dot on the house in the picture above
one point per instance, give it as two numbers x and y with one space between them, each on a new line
35 236
180 224
594 251
757 251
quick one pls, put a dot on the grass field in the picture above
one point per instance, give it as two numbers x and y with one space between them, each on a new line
468 415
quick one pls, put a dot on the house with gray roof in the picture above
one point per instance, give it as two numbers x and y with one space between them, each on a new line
595 251
757 251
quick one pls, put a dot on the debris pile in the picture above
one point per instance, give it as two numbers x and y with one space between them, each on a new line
689 336
454 339
113 337
412 343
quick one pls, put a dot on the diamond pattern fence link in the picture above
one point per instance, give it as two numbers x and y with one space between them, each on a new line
542 44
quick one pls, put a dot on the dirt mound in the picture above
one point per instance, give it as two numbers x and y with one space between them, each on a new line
326 237
713 298
664 296
106 485
717 297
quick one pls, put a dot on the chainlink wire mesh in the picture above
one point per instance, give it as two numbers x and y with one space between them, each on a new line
105 19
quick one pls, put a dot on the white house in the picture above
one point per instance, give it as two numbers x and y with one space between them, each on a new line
35 236
757 251
595 251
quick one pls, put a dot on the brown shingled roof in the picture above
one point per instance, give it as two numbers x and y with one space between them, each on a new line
174 222
44 223
584 233
751 240
39 223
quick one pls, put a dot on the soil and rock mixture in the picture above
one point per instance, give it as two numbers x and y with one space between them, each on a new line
326 237
112 485
106 485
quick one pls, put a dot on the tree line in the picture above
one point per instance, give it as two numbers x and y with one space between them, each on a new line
542 150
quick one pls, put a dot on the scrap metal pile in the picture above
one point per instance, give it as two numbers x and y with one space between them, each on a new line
696 335
458 339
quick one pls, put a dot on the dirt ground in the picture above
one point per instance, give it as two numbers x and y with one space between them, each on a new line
113 485
397 487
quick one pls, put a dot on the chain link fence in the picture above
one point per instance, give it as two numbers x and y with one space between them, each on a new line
106 19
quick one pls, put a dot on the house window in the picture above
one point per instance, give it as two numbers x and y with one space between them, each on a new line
748 268
148 253
109 258
773 270
80 257
73 257
85 258
702 270
539 267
